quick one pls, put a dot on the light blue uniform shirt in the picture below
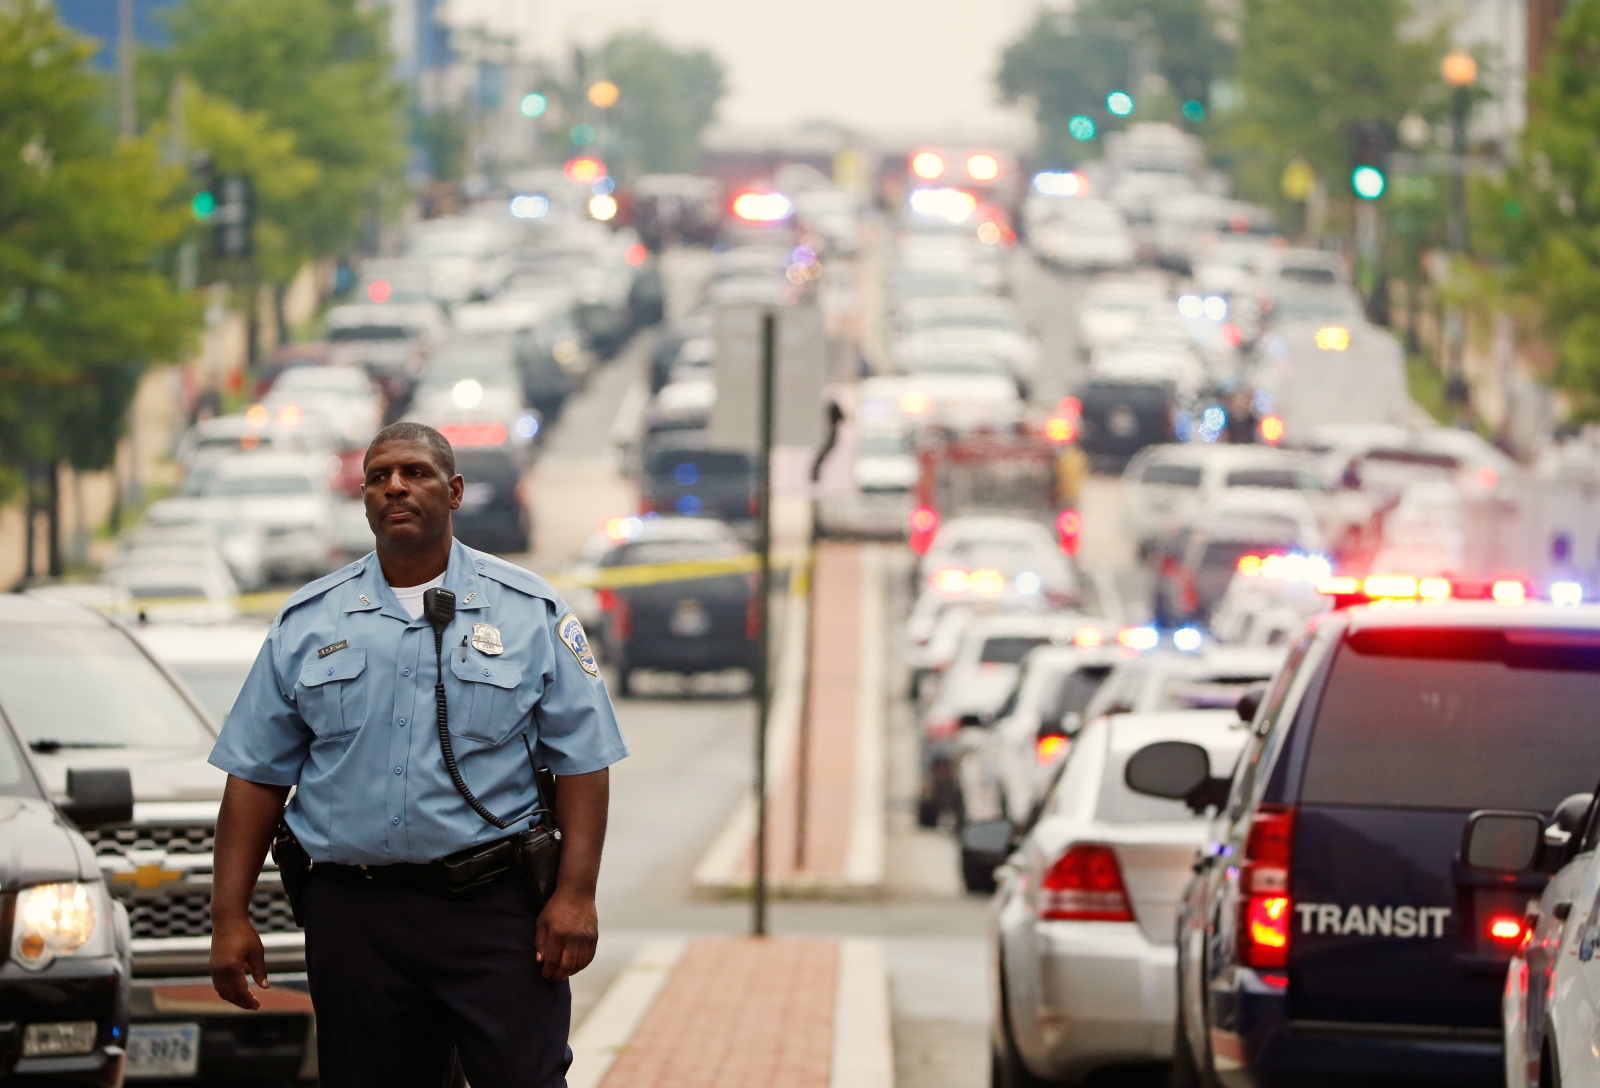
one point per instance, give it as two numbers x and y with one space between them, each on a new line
340 704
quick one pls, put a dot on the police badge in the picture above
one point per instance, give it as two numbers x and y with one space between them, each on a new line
571 632
486 637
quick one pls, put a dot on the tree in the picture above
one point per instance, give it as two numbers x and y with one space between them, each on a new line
84 221
668 97
1543 220
1064 65
1308 73
318 70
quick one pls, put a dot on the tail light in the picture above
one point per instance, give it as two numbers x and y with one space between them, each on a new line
621 618
1050 748
1264 888
1506 930
646 506
1085 885
606 599
1069 527
942 728
752 616
924 523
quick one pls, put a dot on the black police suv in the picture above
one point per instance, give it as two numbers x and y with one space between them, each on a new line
494 508
1333 932
1121 416
67 957
674 623
692 480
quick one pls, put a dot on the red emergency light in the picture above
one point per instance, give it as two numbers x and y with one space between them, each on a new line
475 434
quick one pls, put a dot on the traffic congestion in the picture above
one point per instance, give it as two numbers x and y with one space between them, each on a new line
1162 604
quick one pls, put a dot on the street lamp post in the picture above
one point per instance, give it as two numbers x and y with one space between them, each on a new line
1460 71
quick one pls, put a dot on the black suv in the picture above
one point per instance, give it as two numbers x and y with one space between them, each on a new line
67 960
1333 933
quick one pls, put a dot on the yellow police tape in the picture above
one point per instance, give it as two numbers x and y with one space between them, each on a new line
638 574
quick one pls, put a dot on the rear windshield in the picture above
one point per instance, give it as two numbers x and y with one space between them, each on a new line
673 551
368 332
1287 478
1009 649
1174 475
246 486
1225 554
687 468
1073 693
1458 720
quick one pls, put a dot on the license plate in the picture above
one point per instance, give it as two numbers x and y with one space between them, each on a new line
163 1050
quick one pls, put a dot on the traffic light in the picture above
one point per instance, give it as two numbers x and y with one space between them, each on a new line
203 174
233 221
1370 143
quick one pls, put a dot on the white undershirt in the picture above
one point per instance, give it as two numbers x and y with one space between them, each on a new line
411 597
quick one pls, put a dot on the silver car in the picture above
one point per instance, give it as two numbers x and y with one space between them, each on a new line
1082 924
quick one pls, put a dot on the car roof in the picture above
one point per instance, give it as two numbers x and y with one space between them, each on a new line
1130 732
25 608
1531 615
1053 624
270 464
203 643
1217 660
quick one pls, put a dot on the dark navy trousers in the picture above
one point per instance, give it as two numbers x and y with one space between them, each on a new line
399 976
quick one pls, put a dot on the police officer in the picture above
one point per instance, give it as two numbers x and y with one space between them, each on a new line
340 705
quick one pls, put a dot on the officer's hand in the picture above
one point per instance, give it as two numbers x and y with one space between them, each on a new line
568 931
235 949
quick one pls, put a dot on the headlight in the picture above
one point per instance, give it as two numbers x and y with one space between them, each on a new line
60 920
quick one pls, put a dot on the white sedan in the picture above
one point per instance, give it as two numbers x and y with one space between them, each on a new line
1082 924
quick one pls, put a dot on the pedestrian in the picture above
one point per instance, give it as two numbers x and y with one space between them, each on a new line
423 931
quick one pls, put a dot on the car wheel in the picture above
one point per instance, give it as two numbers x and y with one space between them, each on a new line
976 873
1006 1069
624 678
1187 1071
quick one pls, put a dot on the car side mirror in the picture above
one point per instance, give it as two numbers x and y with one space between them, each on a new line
1505 842
99 797
1570 812
1250 702
1178 770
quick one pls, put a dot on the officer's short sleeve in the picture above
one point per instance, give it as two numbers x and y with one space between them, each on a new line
577 726
264 739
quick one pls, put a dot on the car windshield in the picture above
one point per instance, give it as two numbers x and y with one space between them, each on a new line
1213 693
1073 692
1460 720
368 332
1009 649
1315 306
957 364
1172 475
86 686
215 684
258 486
1292 479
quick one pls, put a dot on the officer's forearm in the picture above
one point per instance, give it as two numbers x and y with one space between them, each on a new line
581 804
249 815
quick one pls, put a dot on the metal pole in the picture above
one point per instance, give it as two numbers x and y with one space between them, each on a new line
758 918
1460 107
125 46
802 775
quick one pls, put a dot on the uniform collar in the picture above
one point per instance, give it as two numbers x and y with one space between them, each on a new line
370 592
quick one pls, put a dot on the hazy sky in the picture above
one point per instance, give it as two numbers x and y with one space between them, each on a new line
920 66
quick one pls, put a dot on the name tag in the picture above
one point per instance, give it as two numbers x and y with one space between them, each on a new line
333 647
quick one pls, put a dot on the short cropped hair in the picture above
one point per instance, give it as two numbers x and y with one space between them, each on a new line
443 456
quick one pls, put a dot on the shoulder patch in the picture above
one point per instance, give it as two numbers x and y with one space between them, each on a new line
517 578
312 590
571 632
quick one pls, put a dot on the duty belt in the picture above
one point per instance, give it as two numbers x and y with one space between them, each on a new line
469 870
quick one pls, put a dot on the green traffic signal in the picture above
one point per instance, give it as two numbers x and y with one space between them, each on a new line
1120 103
1368 182
203 204
1081 127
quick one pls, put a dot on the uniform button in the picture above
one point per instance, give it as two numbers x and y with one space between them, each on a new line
486 672
396 820
397 770
330 672
405 672
402 721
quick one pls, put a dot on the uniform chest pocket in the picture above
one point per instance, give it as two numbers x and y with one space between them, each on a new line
498 701
328 687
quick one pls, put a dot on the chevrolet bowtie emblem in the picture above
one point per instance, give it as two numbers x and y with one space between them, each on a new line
148 877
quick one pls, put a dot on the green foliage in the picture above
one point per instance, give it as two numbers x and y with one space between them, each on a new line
83 220
1309 71
668 98
1543 220
318 70
1065 64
